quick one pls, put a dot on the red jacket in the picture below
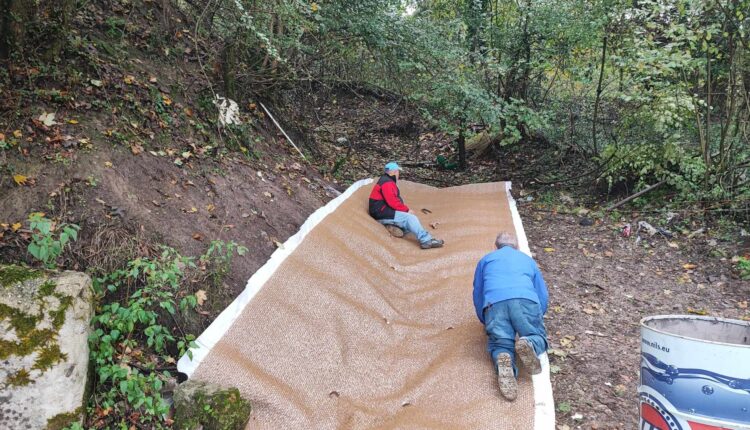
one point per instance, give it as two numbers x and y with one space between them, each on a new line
385 199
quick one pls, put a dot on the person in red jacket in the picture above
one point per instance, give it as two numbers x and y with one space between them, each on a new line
387 206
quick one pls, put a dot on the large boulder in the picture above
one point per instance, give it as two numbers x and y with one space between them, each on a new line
200 405
44 353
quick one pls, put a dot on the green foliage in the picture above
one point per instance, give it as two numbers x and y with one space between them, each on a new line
130 339
137 336
743 265
47 240
218 259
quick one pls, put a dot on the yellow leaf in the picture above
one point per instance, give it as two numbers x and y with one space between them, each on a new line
201 297
108 163
314 7
210 207
129 79
16 226
193 210
17 134
167 101
73 121
20 179
689 266
697 311
549 249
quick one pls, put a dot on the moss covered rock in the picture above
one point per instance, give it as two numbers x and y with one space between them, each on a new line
44 329
202 405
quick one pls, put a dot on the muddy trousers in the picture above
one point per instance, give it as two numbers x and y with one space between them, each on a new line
503 320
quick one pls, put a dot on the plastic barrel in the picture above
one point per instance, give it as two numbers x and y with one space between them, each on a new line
695 373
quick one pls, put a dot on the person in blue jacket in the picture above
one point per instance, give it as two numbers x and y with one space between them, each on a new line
510 298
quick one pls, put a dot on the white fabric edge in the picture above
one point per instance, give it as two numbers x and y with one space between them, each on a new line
214 332
544 403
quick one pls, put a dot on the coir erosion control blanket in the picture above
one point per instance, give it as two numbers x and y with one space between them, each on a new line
347 327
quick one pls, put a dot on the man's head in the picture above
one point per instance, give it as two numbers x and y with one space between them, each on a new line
506 239
392 169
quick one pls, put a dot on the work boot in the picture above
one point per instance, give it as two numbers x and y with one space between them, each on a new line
505 378
395 230
432 243
527 356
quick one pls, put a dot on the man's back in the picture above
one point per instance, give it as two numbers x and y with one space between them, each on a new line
507 274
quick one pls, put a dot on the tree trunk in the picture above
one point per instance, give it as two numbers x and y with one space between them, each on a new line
29 27
461 148
598 95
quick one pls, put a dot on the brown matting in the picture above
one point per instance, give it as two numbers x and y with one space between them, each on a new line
357 329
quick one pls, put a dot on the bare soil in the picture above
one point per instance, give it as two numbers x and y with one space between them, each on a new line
601 285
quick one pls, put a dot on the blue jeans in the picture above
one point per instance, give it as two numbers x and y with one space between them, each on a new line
410 224
506 318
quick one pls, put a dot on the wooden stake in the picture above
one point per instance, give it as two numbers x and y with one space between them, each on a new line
634 196
282 131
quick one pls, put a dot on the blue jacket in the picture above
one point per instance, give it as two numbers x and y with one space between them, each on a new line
504 274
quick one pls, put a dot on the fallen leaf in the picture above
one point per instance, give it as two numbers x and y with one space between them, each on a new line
152 79
608 254
188 111
129 79
20 179
200 297
210 207
157 204
557 352
620 390
697 311
95 82
167 101
267 194
554 369
47 119
741 305
689 266
549 249
2 137
673 245
567 341
17 134
193 210
17 226
136 148
197 236
108 163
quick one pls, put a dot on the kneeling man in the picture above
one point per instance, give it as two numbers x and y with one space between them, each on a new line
510 298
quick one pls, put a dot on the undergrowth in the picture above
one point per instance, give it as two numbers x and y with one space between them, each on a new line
137 333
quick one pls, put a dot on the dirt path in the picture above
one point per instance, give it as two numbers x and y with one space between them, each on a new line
601 285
